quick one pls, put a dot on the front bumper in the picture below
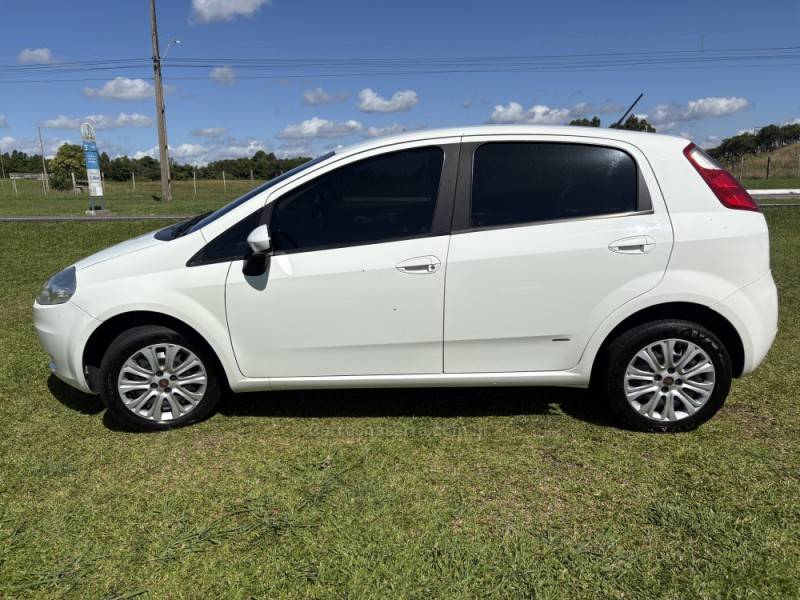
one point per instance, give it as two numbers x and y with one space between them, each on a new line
63 330
753 310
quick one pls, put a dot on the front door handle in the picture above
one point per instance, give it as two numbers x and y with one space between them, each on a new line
420 265
639 244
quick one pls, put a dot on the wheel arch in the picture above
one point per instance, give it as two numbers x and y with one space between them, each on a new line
698 313
101 338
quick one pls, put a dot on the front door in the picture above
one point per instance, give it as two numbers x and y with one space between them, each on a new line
355 285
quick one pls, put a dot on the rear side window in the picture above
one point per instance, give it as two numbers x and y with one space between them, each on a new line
522 182
387 197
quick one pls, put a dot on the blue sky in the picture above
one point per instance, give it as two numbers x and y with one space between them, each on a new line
224 113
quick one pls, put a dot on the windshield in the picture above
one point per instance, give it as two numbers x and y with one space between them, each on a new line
242 199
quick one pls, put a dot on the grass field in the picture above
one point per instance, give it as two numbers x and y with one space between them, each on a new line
406 493
121 199
773 183
784 167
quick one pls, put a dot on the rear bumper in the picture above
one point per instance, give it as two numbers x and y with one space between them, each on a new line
63 330
753 310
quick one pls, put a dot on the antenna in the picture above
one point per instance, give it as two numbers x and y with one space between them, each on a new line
627 112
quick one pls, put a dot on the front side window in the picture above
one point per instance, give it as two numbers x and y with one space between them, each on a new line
526 182
229 245
387 197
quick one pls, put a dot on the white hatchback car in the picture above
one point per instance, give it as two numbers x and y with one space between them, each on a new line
493 255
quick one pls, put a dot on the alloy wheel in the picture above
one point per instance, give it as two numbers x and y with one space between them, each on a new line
669 380
162 382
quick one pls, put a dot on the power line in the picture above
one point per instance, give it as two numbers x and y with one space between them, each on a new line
319 75
260 68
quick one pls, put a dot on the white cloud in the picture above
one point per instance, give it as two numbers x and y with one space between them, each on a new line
319 96
99 121
241 149
187 150
294 150
541 114
31 145
319 128
210 132
392 129
316 96
206 11
667 116
121 88
538 114
712 141
182 151
3 122
223 75
202 154
35 56
152 153
371 101
62 122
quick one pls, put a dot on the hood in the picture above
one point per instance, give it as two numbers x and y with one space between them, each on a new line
126 247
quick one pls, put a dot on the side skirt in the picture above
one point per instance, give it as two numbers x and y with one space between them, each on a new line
522 379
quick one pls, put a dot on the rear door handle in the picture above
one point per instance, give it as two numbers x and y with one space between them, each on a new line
420 265
639 244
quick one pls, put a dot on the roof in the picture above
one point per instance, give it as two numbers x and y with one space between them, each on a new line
636 138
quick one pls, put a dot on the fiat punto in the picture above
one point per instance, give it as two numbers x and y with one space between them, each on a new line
518 256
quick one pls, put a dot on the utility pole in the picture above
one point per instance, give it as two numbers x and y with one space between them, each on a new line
44 163
163 148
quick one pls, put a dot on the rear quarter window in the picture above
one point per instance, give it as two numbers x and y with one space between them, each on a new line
528 182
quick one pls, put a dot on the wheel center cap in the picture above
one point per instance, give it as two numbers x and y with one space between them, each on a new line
669 380
163 383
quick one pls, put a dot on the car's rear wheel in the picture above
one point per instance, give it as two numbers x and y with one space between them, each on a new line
669 375
154 378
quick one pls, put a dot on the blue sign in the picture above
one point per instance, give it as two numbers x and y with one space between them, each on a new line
91 155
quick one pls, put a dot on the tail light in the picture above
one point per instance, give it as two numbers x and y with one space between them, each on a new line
724 185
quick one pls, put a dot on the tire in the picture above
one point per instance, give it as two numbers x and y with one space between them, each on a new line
677 404
192 388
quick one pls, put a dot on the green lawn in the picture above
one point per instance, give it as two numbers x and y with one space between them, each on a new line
772 183
121 199
407 493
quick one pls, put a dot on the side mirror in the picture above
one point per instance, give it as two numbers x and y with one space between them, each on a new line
258 240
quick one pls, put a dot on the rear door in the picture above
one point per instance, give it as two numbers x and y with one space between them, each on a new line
550 236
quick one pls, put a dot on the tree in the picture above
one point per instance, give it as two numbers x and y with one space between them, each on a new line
68 160
584 122
634 123
765 139
105 164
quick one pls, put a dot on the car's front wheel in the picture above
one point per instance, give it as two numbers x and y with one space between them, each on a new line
668 375
154 378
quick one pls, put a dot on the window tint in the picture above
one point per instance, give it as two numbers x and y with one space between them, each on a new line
387 197
526 182
257 190
230 244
